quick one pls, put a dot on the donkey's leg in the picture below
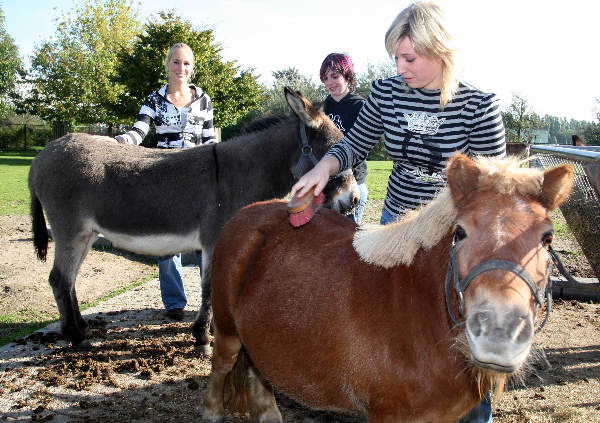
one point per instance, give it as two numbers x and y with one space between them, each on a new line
226 351
263 406
200 329
68 257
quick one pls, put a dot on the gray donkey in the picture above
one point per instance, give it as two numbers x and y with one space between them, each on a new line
160 202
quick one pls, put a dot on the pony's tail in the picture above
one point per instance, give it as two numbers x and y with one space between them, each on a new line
40 231
237 385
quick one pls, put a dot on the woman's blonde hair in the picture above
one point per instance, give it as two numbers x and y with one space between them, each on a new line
424 24
172 51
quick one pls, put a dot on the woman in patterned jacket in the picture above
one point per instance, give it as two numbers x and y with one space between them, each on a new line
183 116
426 115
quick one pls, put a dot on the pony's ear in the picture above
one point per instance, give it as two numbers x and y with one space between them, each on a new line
301 107
557 185
463 174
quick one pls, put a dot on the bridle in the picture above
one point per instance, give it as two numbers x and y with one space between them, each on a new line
306 152
460 286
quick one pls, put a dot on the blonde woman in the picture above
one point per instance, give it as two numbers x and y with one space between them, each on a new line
183 116
425 113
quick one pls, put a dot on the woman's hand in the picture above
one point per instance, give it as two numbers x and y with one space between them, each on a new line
317 177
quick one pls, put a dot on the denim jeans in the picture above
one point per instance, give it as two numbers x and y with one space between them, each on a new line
358 211
387 217
482 412
170 277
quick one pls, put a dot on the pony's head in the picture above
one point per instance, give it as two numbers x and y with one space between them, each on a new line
499 258
318 134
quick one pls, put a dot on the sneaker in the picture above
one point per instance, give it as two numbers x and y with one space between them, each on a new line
175 314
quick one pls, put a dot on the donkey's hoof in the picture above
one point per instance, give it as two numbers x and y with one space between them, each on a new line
203 348
84 345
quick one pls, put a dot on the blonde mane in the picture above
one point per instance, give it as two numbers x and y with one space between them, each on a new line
397 243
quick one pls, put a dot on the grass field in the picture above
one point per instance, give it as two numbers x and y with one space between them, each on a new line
14 168
14 194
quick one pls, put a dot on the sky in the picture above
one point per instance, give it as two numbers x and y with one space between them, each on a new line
544 50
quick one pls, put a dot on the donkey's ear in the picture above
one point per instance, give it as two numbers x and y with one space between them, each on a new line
557 185
301 107
463 174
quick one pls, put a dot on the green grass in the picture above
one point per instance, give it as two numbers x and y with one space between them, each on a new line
377 178
14 194
24 322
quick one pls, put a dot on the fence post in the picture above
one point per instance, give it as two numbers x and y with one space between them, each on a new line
60 128
25 137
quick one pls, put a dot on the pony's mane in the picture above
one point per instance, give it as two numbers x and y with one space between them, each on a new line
397 243
262 123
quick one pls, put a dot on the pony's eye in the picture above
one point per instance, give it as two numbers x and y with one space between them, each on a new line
547 238
460 233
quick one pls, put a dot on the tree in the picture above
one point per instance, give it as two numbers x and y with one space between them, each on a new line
72 74
233 91
274 100
10 66
520 120
381 70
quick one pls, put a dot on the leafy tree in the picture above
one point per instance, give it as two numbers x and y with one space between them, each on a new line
72 74
10 66
520 120
233 91
274 100
381 70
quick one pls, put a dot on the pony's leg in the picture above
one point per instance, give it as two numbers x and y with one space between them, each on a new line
263 406
68 257
224 357
201 326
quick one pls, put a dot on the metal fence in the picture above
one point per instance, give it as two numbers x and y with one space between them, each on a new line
582 209
23 136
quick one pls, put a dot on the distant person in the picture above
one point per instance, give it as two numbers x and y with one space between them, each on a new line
342 106
183 116
427 115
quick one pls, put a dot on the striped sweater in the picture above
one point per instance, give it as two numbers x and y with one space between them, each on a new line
175 127
420 138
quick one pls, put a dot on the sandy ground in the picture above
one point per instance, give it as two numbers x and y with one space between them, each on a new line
143 368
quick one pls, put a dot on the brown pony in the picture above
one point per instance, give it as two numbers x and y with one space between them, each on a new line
341 319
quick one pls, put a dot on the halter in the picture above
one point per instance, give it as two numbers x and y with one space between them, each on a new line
305 152
460 286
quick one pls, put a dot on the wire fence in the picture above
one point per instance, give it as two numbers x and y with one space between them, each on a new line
582 209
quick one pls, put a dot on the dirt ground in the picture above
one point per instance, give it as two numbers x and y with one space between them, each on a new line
143 368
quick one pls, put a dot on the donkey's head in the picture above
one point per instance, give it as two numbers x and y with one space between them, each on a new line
317 133
500 253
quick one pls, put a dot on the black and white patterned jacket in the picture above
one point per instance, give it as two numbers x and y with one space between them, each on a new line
175 127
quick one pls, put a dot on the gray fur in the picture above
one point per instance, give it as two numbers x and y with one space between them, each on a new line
160 202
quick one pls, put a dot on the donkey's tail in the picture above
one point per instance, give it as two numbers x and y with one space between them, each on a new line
40 231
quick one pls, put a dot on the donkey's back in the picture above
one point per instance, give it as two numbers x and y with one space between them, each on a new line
89 184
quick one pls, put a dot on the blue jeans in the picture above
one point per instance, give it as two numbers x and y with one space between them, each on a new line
387 217
170 277
482 412
358 211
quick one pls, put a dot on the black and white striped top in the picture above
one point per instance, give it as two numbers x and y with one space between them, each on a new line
175 127
420 138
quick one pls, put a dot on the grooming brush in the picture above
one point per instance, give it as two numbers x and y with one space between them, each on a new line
302 209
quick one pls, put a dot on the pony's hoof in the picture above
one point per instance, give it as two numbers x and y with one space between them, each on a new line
212 416
202 348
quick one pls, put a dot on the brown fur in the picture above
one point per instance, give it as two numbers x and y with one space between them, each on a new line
337 333
398 243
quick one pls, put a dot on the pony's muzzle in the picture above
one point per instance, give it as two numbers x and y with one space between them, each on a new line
499 338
